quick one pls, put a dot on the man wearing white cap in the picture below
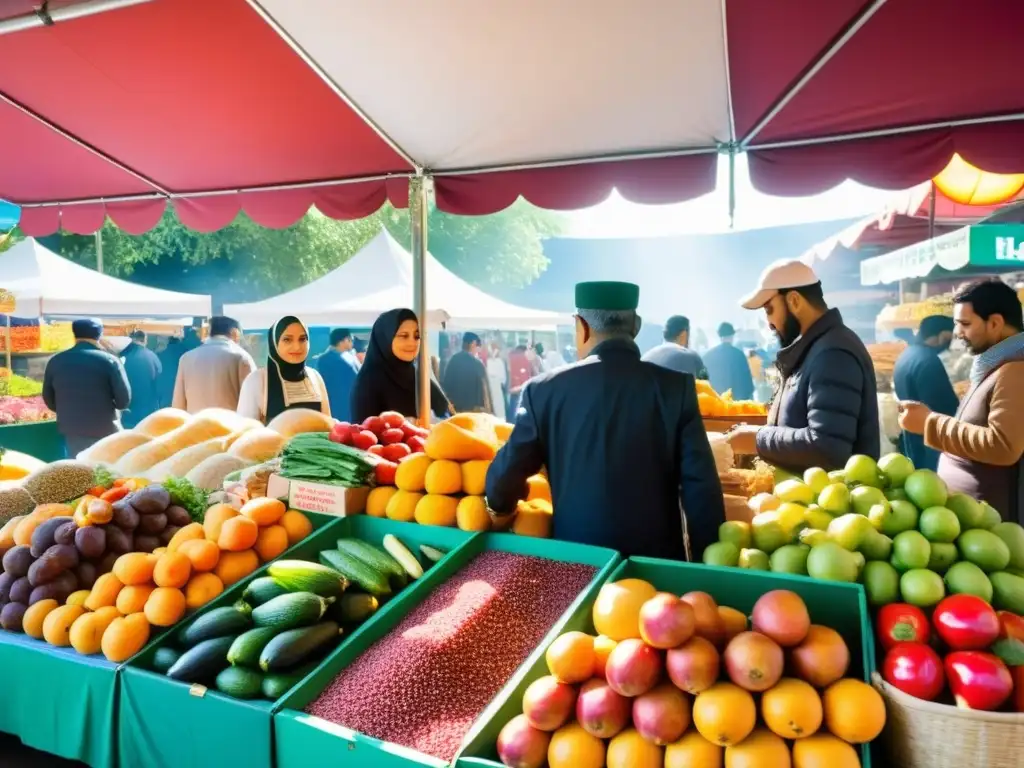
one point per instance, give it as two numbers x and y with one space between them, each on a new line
826 409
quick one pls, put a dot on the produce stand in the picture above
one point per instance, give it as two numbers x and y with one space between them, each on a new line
39 438
725 423
162 722
305 741
840 606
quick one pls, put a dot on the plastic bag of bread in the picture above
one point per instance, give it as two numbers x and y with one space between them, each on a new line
255 479
111 448
299 420
161 422
258 445
197 430
183 462
209 473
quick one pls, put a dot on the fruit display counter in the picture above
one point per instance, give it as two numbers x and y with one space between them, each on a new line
412 687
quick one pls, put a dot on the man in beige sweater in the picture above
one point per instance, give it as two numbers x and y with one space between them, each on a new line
211 375
983 444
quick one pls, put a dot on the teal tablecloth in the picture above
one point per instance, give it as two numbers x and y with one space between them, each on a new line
40 439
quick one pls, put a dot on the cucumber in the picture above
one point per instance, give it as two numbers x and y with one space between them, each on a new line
202 662
303 576
246 649
353 608
229 620
355 570
296 609
164 659
401 553
375 557
263 589
432 553
240 683
294 646
277 684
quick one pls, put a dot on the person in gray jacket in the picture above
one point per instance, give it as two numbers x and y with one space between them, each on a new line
826 409
675 353
86 387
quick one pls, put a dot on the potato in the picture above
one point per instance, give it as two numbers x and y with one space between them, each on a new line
91 541
6 580
178 516
43 535
146 543
106 565
66 533
118 541
17 561
150 500
57 559
11 616
125 515
168 534
86 574
151 525
20 590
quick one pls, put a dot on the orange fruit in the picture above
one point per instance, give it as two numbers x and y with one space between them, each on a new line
693 750
571 657
573 747
215 518
630 750
734 621
271 542
297 525
854 711
724 714
823 750
792 709
603 646
617 608
761 749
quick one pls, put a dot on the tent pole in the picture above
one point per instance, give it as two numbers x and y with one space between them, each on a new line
419 190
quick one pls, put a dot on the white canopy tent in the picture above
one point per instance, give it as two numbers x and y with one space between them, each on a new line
44 284
380 277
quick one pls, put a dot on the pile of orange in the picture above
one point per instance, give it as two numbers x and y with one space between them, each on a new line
714 405
720 693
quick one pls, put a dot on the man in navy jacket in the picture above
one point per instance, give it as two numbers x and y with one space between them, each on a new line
338 367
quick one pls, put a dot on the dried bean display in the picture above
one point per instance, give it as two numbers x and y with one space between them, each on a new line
425 683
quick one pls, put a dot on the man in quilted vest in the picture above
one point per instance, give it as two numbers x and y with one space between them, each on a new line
983 444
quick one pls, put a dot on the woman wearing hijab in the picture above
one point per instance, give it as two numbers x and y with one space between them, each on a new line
387 380
287 382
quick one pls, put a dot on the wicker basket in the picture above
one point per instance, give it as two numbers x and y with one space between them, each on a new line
923 734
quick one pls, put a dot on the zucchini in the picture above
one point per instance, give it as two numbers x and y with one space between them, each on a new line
277 684
353 608
355 570
296 609
401 553
229 620
202 662
432 553
375 557
263 589
246 649
240 683
164 659
303 576
294 646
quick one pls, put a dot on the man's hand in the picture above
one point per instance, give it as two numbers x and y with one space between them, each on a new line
742 439
500 522
913 416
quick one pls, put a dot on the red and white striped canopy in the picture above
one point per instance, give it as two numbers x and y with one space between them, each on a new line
274 105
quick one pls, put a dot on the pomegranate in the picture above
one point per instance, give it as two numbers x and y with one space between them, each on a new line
694 666
601 711
666 621
709 623
633 667
781 615
520 745
548 704
662 714
753 661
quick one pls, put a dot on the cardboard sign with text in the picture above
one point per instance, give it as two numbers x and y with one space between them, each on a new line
318 497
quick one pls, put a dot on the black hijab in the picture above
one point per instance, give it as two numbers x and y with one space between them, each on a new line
394 380
280 370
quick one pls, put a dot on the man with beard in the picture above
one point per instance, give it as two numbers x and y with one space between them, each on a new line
983 444
826 409
919 375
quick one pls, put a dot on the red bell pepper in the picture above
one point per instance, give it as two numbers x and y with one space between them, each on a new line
966 623
915 669
902 623
978 680
1011 626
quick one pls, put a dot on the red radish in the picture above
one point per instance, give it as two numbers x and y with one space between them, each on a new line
341 433
416 443
600 710
966 623
548 704
408 428
520 745
978 680
384 472
392 419
389 436
666 621
364 439
375 424
915 669
376 450
693 667
395 451
633 667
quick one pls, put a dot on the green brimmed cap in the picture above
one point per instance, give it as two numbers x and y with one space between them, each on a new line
608 295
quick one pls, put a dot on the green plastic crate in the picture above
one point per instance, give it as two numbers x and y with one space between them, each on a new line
306 741
163 722
840 606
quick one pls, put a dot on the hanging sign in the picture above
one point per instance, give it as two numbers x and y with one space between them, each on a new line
7 302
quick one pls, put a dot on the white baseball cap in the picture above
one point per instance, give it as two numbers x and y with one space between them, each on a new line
779 276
